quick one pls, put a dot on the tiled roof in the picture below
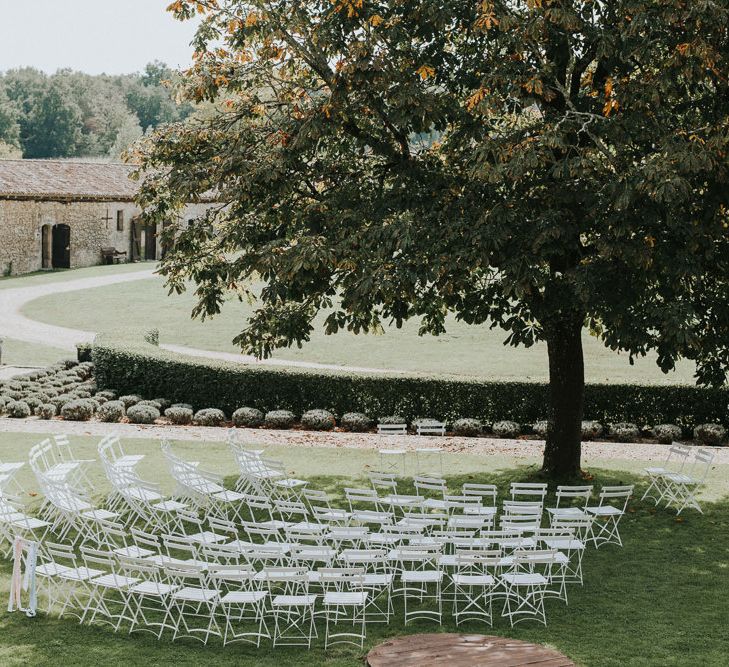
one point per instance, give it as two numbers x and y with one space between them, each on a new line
66 179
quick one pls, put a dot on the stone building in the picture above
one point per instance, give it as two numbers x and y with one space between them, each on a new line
67 214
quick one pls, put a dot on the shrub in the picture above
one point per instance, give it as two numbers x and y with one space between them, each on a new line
356 422
111 411
187 406
78 410
624 431
129 400
164 403
209 417
83 351
178 415
247 417
123 361
318 420
591 430
540 428
33 402
506 429
467 427
142 414
14 394
81 393
279 419
108 394
392 419
710 434
667 433
4 400
61 400
154 404
46 411
68 363
18 410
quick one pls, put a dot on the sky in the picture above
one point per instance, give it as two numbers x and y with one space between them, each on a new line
93 36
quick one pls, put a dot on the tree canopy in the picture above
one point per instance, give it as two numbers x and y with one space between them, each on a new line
542 165
71 114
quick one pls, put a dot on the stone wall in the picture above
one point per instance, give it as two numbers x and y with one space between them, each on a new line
93 225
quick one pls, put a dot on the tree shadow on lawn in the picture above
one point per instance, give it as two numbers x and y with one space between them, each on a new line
660 600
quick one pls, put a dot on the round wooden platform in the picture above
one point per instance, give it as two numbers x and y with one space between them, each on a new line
457 650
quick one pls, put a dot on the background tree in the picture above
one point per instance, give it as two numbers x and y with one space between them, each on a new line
52 128
72 114
578 178
9 129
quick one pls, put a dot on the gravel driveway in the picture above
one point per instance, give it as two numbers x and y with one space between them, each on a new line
480 446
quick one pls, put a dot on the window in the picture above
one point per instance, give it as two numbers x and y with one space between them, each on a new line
120 221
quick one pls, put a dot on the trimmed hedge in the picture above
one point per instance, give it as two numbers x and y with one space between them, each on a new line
127 364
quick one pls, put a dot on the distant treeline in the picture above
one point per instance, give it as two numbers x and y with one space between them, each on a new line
71 114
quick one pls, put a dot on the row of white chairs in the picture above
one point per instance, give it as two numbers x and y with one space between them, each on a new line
471 579
431 547
678 481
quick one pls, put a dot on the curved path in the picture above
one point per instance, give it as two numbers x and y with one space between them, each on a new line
13 324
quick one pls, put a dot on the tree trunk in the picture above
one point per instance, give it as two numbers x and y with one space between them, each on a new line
566 398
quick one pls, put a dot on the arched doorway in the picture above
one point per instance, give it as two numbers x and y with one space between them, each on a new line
46 241
61 247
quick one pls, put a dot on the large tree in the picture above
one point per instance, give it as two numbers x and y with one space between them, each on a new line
542 165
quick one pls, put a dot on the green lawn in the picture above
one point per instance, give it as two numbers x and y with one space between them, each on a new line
464 349
661 600
20 353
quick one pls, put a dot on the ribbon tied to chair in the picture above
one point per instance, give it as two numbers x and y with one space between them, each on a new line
24 581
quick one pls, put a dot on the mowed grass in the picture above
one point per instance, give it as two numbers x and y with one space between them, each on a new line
21 353
463 350
660 600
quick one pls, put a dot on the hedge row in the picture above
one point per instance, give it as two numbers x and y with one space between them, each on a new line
128 364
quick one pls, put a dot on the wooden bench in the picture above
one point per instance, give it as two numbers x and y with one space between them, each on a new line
111 255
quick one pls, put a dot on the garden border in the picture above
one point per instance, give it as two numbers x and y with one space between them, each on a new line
128 361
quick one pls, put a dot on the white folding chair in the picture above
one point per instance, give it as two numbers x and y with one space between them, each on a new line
378 580
345 601
421 578
676 459
72 579
534 491
108 600
429 460
148 600
392 460
292 606
434 492
681 488
524 590
607 515
473 583
576 497
242 604
192 604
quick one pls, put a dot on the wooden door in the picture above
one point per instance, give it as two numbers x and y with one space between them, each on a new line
61 247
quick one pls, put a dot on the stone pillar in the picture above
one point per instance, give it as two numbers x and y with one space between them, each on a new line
46 247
